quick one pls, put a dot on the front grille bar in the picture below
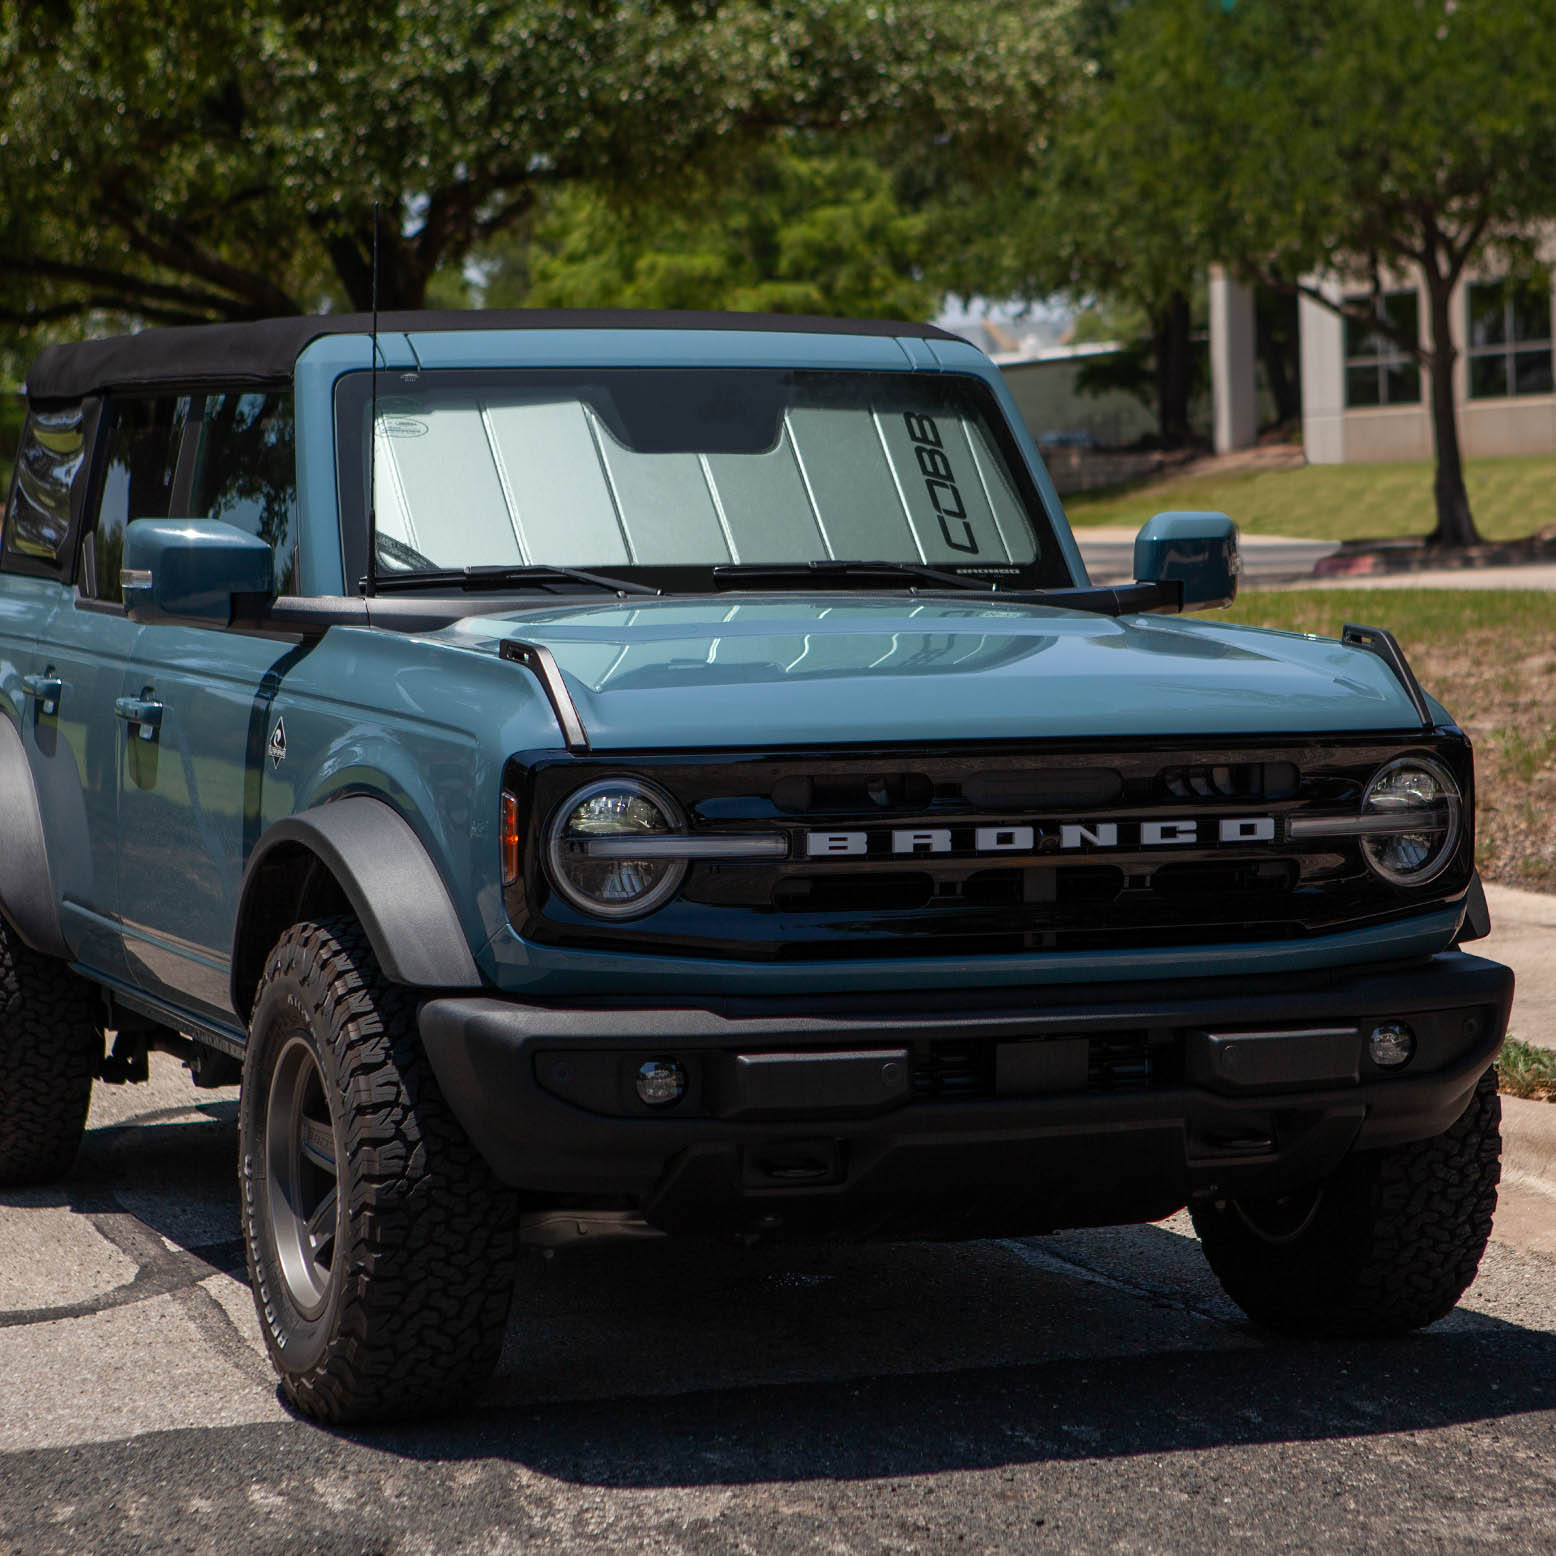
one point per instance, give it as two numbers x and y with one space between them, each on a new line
676 845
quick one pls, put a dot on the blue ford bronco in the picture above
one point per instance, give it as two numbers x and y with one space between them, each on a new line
627 774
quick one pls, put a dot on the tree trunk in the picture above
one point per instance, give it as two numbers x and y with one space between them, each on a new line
1174 370
402 280
1455 524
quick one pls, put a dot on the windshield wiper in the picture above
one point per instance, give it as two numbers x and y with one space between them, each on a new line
537 575
731 575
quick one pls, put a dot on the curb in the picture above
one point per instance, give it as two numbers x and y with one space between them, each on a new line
1529 1145
1526 1201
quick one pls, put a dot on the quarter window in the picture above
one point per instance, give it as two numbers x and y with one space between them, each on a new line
1378 371
143 440
246 473
1509 338
38 523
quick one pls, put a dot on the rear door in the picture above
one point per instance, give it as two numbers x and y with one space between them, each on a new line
189 806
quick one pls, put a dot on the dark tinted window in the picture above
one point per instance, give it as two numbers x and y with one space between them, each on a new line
143 438
246 473
1510 338
38 523
1377 370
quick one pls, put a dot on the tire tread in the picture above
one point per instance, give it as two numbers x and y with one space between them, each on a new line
51 1047
434 1235
1394 1245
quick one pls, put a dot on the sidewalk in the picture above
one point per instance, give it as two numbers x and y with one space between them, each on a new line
1523 934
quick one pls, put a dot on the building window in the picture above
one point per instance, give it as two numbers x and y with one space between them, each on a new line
1509 338
1377 369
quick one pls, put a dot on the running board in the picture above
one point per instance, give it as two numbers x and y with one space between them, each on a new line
227 1040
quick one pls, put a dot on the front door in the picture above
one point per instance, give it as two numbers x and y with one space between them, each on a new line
189 802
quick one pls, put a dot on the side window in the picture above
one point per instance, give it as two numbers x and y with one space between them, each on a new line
246 473
142 438
38 524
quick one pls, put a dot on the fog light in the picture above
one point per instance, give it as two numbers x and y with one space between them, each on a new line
1391 1045
661 1082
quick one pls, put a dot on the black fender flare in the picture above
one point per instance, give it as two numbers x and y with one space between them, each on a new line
27 897
390 881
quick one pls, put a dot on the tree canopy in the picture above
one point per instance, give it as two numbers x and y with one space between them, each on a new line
176 161
799 228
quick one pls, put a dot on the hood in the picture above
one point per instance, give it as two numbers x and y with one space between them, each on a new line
854 670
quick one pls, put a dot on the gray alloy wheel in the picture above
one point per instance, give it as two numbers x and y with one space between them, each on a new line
302 1198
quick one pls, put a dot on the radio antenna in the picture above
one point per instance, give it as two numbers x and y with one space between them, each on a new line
370 578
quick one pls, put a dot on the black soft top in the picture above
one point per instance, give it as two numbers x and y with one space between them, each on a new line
265 352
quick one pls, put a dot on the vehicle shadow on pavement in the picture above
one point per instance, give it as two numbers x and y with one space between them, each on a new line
658 1367
984 1418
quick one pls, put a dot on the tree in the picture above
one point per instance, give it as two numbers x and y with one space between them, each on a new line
174 161
1089 211
1375 138
799 228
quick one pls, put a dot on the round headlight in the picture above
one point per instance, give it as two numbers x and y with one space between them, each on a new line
1416 806
589 847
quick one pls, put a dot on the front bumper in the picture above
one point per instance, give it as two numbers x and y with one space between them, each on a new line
967 1113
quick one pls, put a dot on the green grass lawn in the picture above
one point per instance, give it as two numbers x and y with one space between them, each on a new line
1509 497
1528 1072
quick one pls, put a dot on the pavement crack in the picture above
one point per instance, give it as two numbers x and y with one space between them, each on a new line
1065 1264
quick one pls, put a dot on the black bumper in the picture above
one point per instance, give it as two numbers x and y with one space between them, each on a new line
967 1114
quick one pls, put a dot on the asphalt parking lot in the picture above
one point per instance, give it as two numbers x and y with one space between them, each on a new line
1091 1391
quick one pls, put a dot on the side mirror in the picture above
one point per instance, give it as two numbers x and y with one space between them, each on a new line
1197 551
190 570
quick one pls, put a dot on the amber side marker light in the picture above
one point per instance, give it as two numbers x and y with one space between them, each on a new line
508 834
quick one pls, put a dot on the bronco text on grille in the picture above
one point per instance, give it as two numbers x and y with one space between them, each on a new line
913 852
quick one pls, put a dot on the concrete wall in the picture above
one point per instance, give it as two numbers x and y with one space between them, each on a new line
1053 408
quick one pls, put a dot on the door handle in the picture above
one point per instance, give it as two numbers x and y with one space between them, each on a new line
141 715
45 689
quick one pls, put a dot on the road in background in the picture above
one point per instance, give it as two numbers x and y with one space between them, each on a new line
1280 561
1267 559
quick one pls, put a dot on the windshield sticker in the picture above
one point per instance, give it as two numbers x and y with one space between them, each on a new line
934 465
402 427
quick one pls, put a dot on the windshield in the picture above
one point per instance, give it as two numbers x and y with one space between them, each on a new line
661 473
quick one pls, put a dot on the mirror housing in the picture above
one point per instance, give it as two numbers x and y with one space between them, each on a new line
1196 551
190 570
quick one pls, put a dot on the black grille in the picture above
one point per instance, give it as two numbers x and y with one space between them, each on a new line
1118 1062
954 1071
1123 1062
1102 889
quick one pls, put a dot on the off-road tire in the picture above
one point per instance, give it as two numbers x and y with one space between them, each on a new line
408 1317
51 1045
1389 1244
